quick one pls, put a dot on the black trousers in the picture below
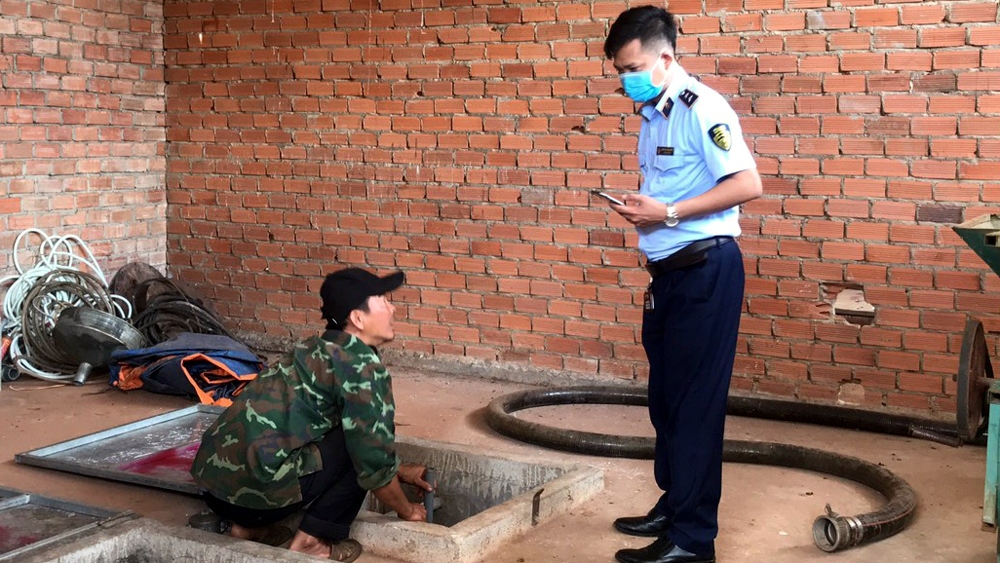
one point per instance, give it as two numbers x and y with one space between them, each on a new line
332 497
689 336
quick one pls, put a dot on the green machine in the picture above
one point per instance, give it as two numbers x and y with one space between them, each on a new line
978 400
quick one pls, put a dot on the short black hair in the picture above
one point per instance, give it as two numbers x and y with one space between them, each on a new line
341 323
648 24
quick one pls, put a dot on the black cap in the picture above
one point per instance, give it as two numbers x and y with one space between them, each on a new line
345 290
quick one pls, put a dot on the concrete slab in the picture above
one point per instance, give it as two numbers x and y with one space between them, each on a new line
766 513
148 541
486 501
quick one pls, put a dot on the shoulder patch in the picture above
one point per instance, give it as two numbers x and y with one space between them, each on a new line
721 136
688 97
669 105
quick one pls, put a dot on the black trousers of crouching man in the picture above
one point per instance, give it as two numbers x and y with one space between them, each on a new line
332 497
689 336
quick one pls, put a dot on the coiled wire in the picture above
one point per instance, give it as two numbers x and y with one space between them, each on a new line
49 296
65 274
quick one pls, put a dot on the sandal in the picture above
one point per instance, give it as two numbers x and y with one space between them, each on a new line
345 551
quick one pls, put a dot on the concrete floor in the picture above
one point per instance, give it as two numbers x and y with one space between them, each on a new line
766 513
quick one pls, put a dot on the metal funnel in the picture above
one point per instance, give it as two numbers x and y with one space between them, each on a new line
982 234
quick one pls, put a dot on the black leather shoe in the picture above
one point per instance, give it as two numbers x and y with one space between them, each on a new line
649 526
661 551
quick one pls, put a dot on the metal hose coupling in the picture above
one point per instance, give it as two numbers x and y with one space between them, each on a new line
833 532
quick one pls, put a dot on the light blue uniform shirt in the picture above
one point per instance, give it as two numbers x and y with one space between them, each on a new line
689 141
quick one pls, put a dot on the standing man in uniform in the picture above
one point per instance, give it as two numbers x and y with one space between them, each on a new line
696 171
315 431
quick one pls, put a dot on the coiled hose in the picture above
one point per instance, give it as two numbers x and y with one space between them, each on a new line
164 309
53 292
64 274
831 532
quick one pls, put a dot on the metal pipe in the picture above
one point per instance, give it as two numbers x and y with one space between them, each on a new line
946 439
430 475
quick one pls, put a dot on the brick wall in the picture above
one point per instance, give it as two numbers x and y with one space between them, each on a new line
457 139
82 126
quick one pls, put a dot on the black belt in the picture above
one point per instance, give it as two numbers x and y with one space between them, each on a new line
692 254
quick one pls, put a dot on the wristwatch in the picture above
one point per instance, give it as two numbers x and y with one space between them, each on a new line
672 218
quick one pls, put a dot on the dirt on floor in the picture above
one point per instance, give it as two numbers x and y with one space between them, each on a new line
766 513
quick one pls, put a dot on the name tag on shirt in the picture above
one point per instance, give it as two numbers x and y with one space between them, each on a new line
664 151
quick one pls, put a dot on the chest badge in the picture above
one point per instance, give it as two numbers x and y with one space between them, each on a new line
664 151
721 136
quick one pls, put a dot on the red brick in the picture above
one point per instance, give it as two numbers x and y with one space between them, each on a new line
813 43
985 35
922 14
957 59
981 171
784 21
866 273
854 356
895 38
878 379
694 25
868 231
936 320
919 382
876 17
904 104
829 374
781 389
934 126
812 352
991 58
973 12
862 61
918 402
828 19
842 333
787 370
942 37
925 341
909 60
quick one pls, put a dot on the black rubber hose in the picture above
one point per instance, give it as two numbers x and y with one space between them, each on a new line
841 417
49 295
831 532
163 309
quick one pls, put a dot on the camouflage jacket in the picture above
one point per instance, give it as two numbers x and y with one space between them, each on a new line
255 452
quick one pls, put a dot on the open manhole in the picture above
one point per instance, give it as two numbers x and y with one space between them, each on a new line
486 500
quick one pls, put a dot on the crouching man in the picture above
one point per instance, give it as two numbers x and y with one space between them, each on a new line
314 431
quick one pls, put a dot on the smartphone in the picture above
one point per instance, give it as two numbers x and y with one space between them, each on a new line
610 198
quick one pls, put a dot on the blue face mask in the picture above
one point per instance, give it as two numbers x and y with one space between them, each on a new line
639 86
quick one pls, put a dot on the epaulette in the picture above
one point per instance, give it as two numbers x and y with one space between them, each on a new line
688 97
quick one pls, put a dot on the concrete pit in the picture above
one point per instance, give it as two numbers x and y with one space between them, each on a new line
485 502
